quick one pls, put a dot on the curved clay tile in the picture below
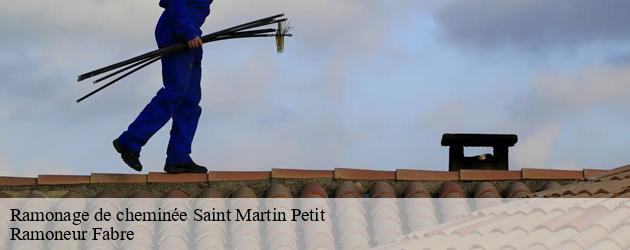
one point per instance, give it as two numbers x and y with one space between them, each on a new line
210 235
242 234
486 190
416 190
141 194
244 192
488 195
385 215
420 212
351 222
278 191
280 235
451 189
551 185
347 190
313 190
106 193
36 194
174 193
73 194
517 190
5 195
382 189
210 193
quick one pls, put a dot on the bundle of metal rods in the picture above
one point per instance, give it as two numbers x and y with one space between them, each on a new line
246 30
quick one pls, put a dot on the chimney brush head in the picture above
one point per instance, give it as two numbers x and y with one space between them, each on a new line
283 30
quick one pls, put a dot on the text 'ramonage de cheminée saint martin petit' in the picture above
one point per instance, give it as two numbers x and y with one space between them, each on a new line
159 215
198 214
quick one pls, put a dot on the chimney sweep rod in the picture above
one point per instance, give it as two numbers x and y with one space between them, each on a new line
256 23
240 34
155 59
119 78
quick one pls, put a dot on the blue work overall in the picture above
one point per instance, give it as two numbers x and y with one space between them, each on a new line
181 73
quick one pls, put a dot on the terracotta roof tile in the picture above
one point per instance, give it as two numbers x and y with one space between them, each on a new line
118 178
381 189
551 174
174 193
210 193
620 236
161 177
451 190
426 175
239 175
416 190
488 175
486 190
610 184
586 238
62 179
36 195
517 190
17 181
363 174
594 173
281 173
106 193
551 185
278 191
557 223
73 194
420 213
244 192
313 190
623 171
590 218
347 189
141 194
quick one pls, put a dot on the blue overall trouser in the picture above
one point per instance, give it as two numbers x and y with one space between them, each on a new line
177 100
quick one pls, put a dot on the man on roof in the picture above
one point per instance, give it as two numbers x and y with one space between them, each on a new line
179 98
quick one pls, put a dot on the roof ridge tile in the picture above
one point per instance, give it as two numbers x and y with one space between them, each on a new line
551 174
117 178
17 181
426 175
288 173
239 175
364 174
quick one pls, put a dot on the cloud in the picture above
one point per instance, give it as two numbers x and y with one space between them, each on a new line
583 89
536 149
573 119
619 59
534 24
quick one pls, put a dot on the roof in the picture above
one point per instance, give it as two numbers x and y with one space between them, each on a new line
300 182
423 221
614 184
541 223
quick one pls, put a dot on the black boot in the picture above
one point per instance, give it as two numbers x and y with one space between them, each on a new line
131 158
184 168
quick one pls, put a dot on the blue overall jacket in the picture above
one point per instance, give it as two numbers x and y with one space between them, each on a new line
186 16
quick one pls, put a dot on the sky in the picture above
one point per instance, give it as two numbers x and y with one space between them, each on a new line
362 84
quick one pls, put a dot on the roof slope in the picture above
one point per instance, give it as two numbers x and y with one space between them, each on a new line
463 183
614 184
541 223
